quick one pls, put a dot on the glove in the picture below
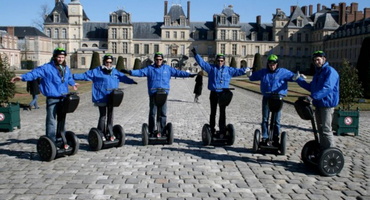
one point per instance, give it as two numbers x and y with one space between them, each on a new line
134 82
125 71
194 51
192 75
297 75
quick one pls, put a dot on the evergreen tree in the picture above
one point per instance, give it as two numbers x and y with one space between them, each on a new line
349 89
95 60
363 66
233 62
7 90
137 64
119 64
257 62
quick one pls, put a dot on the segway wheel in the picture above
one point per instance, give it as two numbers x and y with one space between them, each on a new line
206 135
331 162
119 134
95 139
73 142
231 134
46 149
169 130
145 134
256 139
310 153
283 143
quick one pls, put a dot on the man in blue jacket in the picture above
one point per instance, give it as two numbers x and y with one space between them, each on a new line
219 77
274 80
324 89
55 78
105 78
158 76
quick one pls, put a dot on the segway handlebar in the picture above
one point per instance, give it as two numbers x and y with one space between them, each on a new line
69 93
115 89
225 89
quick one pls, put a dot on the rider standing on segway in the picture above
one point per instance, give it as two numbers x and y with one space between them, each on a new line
158 76
324 89
55 78
105 78
219 77
274 80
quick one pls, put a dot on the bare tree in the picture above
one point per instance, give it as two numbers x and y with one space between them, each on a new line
39 22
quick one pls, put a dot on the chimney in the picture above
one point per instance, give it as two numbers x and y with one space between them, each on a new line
304 10
188 11
333 6
354 7
165 7
10 30
366 13
323 7
292 8
318 7
310 8
258 20
350 17
358 15
342 13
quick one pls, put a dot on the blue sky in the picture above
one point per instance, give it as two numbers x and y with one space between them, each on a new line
25 12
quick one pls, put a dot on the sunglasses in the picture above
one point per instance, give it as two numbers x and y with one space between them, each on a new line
158 59
220 60
108 62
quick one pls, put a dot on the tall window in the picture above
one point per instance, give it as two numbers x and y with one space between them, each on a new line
146 48
223 20
125 33
234 20
223 48
223 34
257 49
124 47
136 49
124 19
175 34
299 37
83 61
114 47
56 18
244 50
114 33
56 33
235 35
156 48
182 34
167 34
64 33
234 48
48 32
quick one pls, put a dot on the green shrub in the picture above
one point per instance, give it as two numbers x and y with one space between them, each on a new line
95 60
349 87
7 90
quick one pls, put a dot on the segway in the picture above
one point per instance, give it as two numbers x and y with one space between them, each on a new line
66 141
275 104
218 137
329 161
159 135
113 136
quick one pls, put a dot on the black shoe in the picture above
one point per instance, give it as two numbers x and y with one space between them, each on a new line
275 141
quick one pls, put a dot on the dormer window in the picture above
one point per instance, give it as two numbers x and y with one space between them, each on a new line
234 20
56 17
223 20
299 22
114 19
124 19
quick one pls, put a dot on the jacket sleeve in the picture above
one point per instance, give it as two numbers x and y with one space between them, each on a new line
204 65
301 82
236 72
178 73
123 78
257 76
87 76
140 72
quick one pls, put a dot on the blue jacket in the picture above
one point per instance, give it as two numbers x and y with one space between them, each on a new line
158 77
218 77
52 83
324 86
103 83
273 82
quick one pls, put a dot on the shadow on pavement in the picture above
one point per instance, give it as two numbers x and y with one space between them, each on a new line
19 154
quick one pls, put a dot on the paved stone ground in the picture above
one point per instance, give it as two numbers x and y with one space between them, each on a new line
185 170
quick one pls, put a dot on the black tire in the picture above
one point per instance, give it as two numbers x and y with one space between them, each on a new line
331 162
73 142
310 153
206 135
46 149
95 139
169 131
230 134
145 134
283 139
120 135
256 139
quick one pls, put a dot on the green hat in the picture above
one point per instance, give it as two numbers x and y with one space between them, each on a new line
59 51
220 55
319 54
273 58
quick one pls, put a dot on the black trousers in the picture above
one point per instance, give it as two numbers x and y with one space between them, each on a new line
102 126
214 100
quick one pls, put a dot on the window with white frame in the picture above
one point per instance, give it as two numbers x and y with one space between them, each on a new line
114 33
124 47
114 47
124 32
223 34
234 49
223 48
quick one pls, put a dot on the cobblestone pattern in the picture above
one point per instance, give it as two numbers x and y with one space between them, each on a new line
186 170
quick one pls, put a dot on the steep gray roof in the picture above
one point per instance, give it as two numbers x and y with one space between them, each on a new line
175 12
202 28
147 30
228 11
327 20
298 14
94 30
23 31
62 9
